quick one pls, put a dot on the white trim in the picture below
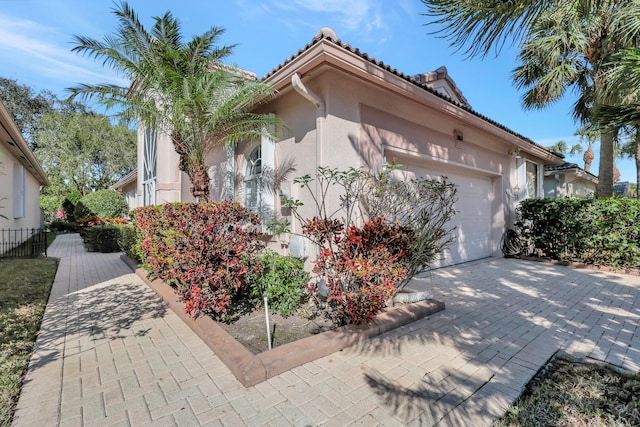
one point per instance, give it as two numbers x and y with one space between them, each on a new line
230 173
440 160
267 198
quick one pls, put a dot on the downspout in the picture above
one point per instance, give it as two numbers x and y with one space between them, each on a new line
320 117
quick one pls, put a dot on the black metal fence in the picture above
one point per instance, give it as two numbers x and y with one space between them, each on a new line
23 243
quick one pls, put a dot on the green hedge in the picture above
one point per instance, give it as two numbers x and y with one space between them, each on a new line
102 203
593 231
108 238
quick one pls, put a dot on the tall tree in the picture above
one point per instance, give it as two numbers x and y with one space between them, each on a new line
624 86
181 88
565 45
25 105
85 151
589 136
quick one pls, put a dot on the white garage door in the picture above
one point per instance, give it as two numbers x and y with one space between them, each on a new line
472 236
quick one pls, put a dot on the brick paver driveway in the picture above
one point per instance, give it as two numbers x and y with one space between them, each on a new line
110 353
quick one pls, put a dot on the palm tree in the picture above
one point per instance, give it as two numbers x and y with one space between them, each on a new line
563 51
624 86
180 88
562 148
564 45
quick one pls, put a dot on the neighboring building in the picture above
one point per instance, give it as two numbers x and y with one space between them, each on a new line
568 180
345 108
622 189
127 186
21 178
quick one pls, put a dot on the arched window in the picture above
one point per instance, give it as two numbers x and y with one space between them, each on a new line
253 181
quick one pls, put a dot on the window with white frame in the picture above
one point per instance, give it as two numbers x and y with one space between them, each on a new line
150 162
529 178
19 190
253 181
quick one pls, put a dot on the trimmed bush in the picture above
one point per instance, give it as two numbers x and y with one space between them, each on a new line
592 231
130 241
199 248
102 238
361 267
102 203
282 278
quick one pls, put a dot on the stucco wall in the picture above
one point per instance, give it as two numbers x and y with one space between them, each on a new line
567 185
32 214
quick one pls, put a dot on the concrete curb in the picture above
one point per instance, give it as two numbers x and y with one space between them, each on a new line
252 369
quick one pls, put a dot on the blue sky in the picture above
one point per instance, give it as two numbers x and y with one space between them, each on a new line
36 42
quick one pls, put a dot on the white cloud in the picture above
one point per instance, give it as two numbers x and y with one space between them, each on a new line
355 15
34 46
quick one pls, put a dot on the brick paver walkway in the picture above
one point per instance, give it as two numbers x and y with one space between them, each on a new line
110 353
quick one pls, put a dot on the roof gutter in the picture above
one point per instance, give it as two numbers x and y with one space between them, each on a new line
313 98
24 153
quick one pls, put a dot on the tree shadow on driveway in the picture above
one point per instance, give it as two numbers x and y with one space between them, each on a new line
504 318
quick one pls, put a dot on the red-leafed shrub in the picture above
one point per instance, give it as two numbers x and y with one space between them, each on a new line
199 249
360 267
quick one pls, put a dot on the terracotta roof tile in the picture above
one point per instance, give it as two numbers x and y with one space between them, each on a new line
322 35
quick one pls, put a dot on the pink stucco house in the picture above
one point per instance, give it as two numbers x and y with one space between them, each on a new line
345 108
21 178
568 180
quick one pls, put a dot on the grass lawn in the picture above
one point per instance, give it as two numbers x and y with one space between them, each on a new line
572 393
25 285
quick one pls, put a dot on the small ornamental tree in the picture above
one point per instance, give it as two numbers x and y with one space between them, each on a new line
362 267
201 249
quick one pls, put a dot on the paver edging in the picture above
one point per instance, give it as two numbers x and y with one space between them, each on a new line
251 369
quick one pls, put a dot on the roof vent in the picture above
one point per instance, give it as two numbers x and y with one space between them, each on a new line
327 33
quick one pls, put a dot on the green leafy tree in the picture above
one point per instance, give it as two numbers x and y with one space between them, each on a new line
24 105
84 150
181 88
81 152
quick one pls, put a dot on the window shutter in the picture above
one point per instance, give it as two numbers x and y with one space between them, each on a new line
18 191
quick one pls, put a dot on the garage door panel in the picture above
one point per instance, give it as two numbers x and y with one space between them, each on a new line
472 236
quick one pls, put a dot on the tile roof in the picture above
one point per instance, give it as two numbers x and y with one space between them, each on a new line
565 167
329 35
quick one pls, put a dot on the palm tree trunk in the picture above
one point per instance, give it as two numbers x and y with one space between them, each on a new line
605 175
199 182
637 162
588 158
